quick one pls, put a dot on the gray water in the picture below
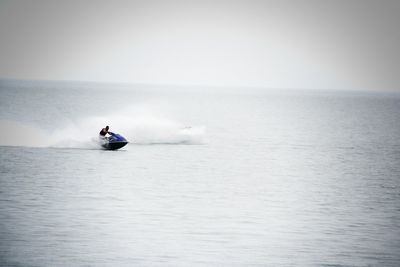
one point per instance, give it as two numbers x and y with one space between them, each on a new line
210 178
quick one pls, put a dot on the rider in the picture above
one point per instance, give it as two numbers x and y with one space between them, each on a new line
105 131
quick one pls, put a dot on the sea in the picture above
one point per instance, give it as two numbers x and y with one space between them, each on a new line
210 177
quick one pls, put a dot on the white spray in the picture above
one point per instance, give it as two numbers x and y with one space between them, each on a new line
137 125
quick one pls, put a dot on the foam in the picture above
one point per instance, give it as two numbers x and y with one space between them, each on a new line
83 133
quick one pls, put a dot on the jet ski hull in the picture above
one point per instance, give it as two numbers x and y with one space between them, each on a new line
114 145
115 141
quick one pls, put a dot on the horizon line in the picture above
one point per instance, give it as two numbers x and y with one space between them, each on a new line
192 85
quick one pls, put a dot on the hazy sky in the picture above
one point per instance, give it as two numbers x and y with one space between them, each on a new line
289 44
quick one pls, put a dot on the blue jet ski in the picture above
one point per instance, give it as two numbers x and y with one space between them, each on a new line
115 141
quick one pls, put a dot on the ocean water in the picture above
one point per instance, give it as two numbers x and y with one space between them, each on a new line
210 178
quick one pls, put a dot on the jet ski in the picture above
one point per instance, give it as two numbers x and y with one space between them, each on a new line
115 141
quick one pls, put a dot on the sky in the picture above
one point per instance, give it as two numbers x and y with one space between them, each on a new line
351 44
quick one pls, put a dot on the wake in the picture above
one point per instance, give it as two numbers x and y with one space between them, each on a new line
83 133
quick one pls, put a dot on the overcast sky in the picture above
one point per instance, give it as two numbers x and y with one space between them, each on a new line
277 44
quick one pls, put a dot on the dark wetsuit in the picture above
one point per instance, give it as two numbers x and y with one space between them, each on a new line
103 132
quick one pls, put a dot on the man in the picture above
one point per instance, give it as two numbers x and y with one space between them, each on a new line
105 131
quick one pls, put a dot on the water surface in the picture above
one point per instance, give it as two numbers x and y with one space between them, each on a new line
300 178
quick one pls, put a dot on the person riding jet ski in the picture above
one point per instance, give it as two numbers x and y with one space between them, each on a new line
113 141
104 132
